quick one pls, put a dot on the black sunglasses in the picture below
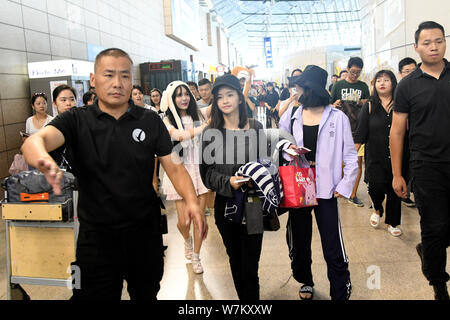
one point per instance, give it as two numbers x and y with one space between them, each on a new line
40 94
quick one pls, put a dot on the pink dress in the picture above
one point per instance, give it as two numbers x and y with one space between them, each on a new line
191 163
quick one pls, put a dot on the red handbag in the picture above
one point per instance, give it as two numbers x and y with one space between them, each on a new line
299 185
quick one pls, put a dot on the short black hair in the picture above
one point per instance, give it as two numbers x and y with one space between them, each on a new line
355 61
62 88
203 82
426 26
138 88
193 84
405 62
111 52
343 71
160 95
37 95
390 74
310 100
335 75
87 96
296 70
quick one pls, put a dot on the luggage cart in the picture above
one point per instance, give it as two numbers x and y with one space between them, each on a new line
40 246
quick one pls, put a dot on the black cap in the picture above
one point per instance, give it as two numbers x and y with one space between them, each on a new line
315 78
227 80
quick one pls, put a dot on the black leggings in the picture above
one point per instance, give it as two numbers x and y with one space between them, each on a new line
243 251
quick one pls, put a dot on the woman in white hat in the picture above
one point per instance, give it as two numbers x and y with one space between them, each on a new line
185 123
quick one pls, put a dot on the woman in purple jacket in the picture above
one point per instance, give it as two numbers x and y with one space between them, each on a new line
326 132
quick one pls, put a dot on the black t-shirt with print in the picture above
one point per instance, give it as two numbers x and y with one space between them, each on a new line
426 100
115 164
347 91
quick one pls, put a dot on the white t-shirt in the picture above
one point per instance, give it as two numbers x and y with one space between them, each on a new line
29 127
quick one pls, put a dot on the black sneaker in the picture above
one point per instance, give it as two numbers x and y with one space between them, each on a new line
356 202
409 203
440 292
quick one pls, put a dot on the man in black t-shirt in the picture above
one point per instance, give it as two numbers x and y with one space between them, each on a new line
405 67
114 144
423 99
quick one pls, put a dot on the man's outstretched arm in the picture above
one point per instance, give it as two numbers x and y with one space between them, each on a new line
398 131
36 149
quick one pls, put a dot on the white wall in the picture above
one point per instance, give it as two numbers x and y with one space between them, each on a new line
43 30
384 49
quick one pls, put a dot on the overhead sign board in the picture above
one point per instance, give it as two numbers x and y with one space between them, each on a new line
268 52
60 68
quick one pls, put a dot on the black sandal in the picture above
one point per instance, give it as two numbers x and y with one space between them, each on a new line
306 290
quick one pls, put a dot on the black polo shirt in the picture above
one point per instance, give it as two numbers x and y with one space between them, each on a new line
427 102
115 164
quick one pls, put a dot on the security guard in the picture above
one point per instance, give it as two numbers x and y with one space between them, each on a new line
114 144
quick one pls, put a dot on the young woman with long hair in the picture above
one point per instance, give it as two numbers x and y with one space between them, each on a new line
229 119
185 123
374 126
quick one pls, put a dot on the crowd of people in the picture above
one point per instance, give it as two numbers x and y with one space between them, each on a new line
397 129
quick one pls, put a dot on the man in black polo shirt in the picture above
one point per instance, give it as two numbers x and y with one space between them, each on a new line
423 99
114 145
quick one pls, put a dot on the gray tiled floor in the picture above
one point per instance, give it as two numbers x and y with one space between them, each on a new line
396 258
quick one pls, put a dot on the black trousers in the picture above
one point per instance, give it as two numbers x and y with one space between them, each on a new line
431 184
107 257
377 192
299 234
243 251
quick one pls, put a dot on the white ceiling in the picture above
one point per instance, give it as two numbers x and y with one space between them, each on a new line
292 25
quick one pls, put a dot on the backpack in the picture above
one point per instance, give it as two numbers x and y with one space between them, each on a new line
351 110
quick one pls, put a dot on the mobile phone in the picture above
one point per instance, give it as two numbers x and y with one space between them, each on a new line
304 150
294 153
243 180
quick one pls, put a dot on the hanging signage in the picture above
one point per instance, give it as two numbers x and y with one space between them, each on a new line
268 52
182 22
59 68
161 66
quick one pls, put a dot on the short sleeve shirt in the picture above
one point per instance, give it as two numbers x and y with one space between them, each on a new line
347 91
373 129
115 164
426 100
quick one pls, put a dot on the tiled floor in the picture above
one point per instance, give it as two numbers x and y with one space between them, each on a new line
368 249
